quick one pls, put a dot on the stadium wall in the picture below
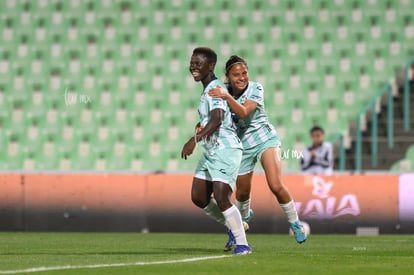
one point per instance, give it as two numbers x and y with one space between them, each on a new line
161 203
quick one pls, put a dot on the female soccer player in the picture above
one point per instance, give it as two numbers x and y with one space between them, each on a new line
259 140
217 169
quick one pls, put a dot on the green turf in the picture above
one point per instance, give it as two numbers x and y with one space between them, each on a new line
272 254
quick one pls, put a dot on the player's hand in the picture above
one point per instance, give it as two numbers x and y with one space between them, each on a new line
198 129
218 92
188 148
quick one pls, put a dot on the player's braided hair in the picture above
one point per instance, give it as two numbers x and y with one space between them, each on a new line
234 59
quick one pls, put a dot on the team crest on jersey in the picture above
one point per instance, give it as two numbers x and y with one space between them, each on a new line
216 102
243 98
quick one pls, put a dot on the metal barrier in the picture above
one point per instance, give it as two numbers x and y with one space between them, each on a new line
390 119
406 95
340 138
372 106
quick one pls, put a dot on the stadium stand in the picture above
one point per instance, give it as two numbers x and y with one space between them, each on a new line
104 85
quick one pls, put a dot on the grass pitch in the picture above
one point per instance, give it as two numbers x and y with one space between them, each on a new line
147 253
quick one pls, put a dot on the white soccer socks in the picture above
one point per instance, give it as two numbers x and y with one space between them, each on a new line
290 211
214 211
244 208
231 218
234 223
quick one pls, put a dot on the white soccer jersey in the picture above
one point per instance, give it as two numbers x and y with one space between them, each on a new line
225 136
255 128
321 163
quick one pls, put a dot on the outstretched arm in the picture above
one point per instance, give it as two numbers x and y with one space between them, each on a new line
241 110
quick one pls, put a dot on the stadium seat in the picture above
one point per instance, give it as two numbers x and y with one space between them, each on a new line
314 58
12 158
403 165
409 154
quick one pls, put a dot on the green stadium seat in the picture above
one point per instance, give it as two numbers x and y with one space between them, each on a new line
404 8
83 155
352 102
395 167
29 162
5 71
119 163
12 158
48 157
408 28
135 163
83 163
409 154
131 58
403 165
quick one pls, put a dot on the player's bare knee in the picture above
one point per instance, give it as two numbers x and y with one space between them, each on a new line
224 205
200 202
242 195
223 202
276 187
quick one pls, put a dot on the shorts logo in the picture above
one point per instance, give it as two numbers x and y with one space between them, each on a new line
223 171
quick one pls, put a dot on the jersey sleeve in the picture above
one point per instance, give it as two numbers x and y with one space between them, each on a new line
256 94
214 103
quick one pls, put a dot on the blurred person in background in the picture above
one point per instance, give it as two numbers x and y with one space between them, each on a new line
317 158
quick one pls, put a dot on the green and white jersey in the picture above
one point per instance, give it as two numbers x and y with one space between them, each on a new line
256 128
225 136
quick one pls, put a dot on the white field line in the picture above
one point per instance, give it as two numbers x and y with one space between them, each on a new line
63 267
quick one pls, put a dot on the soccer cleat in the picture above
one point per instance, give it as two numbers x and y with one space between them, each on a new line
299 232
231 242
250 217
242 250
